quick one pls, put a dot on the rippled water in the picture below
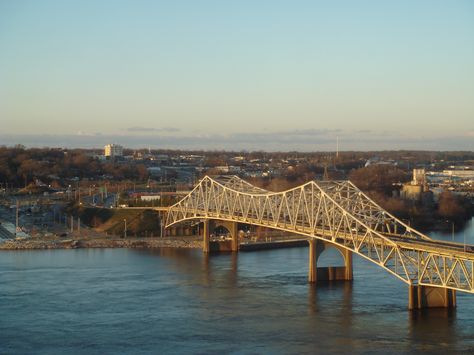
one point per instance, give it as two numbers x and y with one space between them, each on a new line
100 301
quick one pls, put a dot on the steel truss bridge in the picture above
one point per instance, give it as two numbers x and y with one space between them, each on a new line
334 212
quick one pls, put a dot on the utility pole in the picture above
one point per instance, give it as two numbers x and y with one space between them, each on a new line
325 175
125 228
464 233
16 227
162 217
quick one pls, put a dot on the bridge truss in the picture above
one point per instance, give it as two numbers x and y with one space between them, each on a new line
339 213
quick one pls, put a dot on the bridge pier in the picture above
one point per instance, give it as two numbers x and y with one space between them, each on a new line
234 232
312 272
330 273
210 225
430 297
206 233
233 229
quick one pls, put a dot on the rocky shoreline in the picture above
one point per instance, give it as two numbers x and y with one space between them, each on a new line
76 243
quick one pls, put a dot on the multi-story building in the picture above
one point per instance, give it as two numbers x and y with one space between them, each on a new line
113 150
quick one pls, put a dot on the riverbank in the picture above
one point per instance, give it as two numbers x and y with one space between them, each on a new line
104 242
145 243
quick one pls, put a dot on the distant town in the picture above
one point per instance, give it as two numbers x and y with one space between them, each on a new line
53 192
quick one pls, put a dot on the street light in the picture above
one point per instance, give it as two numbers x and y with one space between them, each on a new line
452 225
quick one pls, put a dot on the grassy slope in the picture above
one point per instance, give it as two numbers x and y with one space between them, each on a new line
139 222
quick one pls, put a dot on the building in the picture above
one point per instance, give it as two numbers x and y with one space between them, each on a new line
419 177
151 197
379 161
417 189
113 150
461 174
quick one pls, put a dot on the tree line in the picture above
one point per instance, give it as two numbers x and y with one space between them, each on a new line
20 166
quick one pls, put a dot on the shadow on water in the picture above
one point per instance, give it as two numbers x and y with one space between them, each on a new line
436 327
318 292
234 269
206 269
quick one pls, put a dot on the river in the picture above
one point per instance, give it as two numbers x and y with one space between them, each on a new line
129 301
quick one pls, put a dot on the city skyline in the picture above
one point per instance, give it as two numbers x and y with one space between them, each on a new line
267 75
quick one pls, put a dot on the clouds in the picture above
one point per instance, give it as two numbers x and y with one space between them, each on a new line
138 129
292 140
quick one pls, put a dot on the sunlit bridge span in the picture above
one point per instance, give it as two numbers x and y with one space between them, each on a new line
336 214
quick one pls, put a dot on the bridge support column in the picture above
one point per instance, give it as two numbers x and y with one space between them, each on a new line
430 297
233 229
206 233
330 273
347 264
234 232
312 272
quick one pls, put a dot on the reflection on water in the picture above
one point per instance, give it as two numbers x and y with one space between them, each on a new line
168 301
437 325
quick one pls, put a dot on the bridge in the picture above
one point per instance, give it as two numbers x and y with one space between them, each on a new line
335 214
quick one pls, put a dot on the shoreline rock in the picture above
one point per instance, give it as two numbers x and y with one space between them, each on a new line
38 244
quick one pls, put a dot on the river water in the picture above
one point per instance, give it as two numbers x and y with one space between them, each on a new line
116 301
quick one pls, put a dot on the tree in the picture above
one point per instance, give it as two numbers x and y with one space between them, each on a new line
378 178
450 207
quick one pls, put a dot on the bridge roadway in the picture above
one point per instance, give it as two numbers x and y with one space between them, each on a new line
335 214
158 209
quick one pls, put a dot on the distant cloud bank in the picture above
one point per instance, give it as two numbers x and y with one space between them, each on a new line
151 129
295 140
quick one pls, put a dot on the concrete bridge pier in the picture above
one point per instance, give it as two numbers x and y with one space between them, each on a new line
430 297
209 227
330 273
206 233
312 272
234 232
233 229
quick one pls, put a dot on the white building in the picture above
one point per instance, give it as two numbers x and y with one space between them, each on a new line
418 177
150 197
113 150
463 174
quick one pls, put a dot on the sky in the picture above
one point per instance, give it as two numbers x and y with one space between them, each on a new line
238 75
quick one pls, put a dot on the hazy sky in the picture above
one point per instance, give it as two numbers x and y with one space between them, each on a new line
257 74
